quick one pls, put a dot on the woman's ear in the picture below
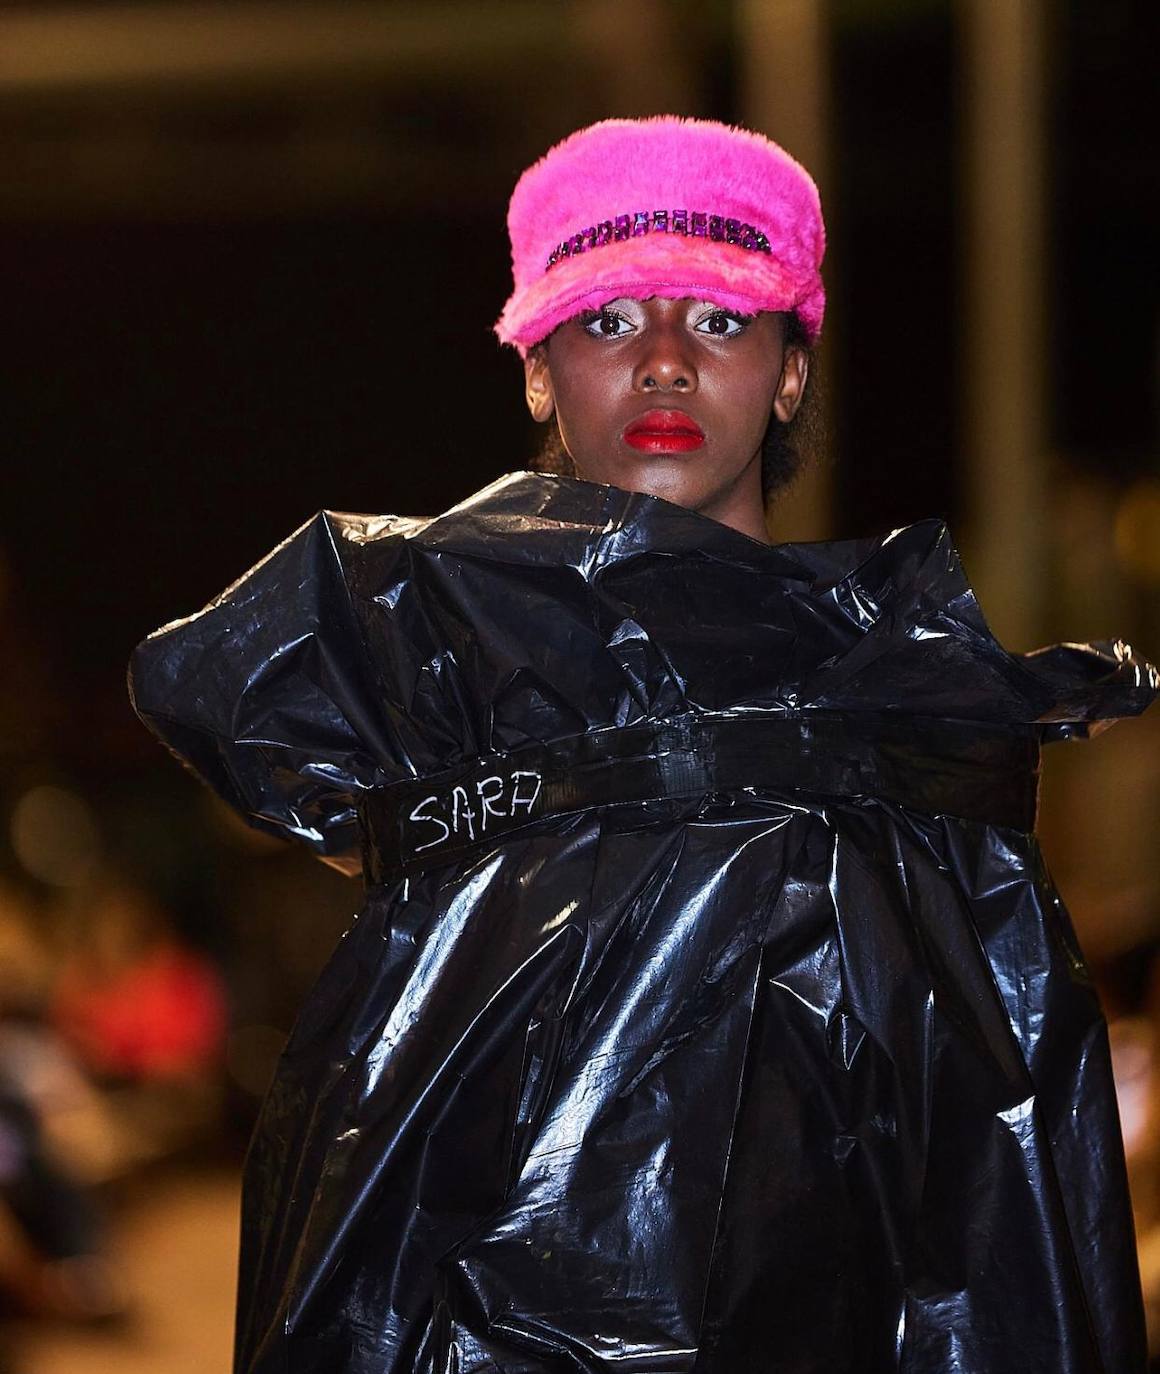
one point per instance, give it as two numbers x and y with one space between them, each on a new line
538 384
791 385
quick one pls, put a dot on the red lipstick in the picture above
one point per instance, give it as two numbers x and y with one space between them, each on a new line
664 431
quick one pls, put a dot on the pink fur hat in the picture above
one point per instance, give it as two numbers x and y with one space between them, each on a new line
662 207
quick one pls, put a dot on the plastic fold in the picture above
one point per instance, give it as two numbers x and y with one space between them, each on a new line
757 1039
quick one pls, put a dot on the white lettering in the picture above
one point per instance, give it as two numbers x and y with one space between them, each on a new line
526 801
465 810
416 815
520 789
488 798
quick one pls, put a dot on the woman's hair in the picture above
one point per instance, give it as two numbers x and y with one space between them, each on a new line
785 449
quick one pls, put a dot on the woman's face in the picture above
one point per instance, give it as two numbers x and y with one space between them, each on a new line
672 398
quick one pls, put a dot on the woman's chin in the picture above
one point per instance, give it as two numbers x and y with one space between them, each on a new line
672 477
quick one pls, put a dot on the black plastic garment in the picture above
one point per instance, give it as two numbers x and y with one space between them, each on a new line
711 1008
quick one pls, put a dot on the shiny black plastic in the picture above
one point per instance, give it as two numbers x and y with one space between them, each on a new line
755 1078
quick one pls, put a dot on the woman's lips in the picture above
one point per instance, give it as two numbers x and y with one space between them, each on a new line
664 431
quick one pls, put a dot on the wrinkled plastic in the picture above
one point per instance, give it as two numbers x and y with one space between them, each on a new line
756 1080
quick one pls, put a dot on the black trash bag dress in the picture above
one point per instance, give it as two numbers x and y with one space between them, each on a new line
710 1008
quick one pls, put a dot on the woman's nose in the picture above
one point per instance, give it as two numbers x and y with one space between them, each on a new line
665 362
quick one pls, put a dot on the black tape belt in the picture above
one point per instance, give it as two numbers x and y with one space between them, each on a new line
977 772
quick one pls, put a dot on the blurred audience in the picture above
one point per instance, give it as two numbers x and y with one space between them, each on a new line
56 1142
135 1003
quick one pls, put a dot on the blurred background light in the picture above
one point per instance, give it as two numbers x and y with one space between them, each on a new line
54 836
1137 530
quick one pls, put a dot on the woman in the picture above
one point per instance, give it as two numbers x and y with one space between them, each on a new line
710 1008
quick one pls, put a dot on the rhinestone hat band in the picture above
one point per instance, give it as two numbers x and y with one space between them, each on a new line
697 225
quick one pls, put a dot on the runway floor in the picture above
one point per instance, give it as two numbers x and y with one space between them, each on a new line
177 1242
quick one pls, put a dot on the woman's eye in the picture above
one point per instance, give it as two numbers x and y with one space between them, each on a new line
721 324
607 324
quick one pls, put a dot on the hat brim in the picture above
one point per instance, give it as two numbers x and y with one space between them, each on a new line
671 266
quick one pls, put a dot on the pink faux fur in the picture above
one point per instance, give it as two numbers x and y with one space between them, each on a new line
621 166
